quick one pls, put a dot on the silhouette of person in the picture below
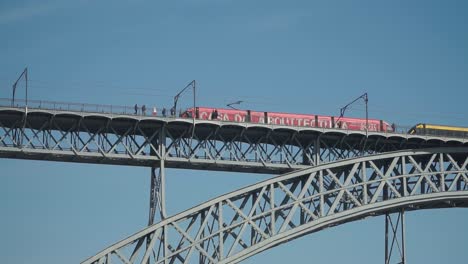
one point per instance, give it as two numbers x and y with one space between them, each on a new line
143 110
173 111
136 109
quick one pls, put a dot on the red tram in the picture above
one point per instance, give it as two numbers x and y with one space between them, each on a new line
286 119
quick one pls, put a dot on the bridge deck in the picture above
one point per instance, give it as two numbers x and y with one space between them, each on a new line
97 137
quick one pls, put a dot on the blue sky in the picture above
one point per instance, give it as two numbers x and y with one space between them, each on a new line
293 56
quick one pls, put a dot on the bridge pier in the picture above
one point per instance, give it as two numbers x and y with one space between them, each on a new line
158 182
157 194
395 239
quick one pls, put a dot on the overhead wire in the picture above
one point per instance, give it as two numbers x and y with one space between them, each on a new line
248 100
446 115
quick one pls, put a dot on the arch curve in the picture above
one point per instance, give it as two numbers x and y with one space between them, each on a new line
245 222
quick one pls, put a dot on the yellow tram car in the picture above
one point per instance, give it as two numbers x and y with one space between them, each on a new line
439 130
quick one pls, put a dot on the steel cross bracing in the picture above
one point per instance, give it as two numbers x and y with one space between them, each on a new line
210 145
395 237
245 222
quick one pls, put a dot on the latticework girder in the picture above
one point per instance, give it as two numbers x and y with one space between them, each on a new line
209 145
395 238
240 224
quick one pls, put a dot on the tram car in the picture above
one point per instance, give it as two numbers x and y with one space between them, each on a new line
287 119
439 130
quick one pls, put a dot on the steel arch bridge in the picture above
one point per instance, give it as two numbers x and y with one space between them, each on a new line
240 224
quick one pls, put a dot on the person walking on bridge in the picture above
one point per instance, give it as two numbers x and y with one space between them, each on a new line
136 109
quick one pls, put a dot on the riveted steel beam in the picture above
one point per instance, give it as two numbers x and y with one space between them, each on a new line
210 145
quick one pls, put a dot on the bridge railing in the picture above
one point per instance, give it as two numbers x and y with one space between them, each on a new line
85 108
67 106
152 111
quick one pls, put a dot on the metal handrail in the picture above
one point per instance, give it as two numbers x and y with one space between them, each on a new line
79 107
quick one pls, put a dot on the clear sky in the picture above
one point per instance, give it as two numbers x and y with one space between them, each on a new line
292 56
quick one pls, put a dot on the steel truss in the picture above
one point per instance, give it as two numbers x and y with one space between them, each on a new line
183 143
245 222
157 195
395 240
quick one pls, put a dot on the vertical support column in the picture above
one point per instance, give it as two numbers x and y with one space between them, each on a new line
162 191
158 182
307 159
403 171
221 233
442 172
157 194
365 197
302 213
153 196
253 232
203 216
395 237
403 239
273 210
321 191
162 153
166 244
387 258
317 151
162 171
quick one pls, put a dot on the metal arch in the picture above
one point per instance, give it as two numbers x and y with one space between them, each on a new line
245 222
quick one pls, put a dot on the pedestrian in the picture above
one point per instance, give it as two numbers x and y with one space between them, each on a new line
155 111
173 111
214 115
393 127
143 110
136 109
164 112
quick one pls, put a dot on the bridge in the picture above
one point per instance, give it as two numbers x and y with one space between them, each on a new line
112 135
245 222
330 176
